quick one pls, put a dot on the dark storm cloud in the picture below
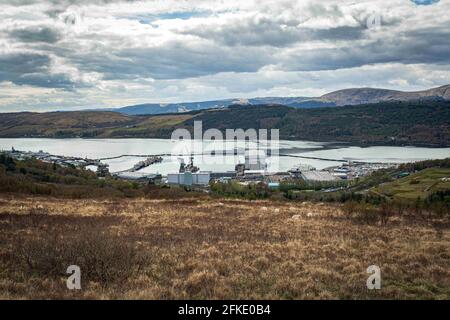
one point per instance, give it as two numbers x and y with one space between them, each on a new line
45 80
423 46
172 61
14 65
270 33
36 34
31 69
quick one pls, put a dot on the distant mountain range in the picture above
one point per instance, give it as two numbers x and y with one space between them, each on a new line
344 97
157 108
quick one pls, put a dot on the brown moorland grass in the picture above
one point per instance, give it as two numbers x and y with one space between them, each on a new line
215 249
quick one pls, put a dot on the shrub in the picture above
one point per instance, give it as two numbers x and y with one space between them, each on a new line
349 208
367 213
102 257
386 212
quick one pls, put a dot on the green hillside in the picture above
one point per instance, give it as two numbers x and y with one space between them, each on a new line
393 123
419 185
388 123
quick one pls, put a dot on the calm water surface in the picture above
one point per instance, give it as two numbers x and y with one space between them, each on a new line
102 148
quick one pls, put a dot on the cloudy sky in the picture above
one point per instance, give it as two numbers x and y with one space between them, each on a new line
69 54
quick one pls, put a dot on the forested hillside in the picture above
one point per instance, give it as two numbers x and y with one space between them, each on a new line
390 123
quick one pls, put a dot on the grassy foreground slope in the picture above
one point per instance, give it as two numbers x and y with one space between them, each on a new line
215 249
143 242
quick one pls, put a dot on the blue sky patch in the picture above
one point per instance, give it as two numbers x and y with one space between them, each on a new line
424 2
147 19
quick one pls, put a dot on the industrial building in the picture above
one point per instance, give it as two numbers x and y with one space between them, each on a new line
226 174
255 160
188 178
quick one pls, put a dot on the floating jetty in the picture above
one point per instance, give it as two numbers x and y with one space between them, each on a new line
147 162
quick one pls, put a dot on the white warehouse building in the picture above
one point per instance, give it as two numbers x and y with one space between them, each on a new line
189 178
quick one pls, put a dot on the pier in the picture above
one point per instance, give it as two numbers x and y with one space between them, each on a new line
202 154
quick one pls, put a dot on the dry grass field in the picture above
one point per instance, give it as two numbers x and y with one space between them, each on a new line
215 249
